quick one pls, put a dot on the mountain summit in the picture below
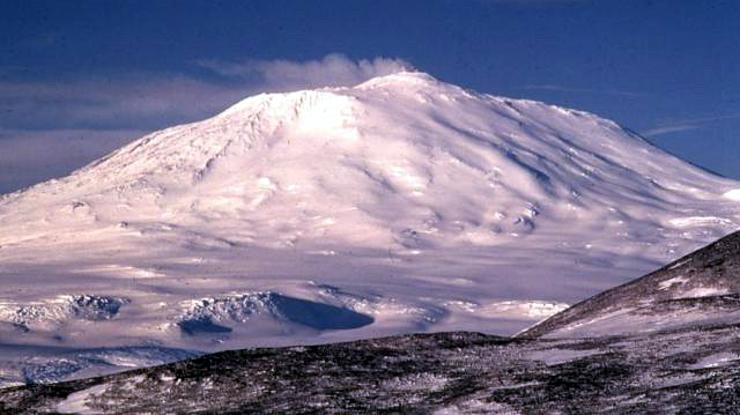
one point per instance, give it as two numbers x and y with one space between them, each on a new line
400 204
399 161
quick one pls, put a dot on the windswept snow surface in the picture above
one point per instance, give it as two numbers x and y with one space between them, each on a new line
401 204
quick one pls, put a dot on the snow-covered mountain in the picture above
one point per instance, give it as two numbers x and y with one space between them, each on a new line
402 161
401 204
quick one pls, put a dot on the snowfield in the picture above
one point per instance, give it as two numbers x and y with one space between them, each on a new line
402 204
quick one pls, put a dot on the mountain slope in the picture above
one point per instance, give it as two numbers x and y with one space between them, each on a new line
402 204
402 160
702 288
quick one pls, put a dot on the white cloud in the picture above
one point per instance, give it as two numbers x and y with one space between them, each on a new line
140 102
687 124
667 129
48 128
28 157
149 101
332 70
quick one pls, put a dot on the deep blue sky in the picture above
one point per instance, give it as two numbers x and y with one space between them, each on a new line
79 78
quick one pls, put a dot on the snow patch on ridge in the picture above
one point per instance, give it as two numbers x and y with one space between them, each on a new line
77 403
698 292
715 360
669 283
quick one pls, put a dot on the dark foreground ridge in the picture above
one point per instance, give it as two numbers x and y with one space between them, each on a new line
698 289
691 367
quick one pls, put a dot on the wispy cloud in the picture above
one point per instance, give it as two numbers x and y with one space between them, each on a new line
48 128
146 101
560 88
686 124
653 132
28 157
332 70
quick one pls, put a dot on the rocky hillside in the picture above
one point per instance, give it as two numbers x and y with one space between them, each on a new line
702 288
